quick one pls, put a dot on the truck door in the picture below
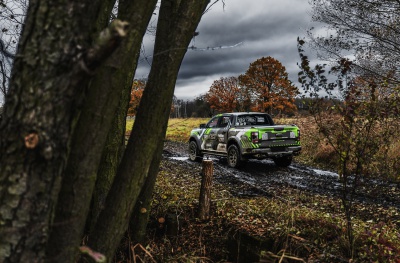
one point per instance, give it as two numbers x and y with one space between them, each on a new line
222 132
210 135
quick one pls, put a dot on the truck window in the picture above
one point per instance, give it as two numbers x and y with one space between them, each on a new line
224 121
213 123
254 120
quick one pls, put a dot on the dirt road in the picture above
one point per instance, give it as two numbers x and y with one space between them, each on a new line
263 177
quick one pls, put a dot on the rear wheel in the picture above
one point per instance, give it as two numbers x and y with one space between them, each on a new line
284 161
194 152
234 157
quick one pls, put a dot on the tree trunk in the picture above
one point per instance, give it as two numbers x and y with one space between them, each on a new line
115 143
174 31
90 136
42 102
111 157
141 212
205 190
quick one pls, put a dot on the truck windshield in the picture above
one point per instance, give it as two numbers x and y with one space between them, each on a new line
253 119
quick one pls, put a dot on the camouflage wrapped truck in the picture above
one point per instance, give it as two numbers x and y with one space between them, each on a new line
242 136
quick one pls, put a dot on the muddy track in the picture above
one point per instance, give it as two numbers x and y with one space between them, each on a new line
264 178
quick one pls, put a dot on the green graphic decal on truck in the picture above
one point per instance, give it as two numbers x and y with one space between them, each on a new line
245 135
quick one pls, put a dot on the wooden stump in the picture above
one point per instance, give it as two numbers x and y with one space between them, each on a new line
205 190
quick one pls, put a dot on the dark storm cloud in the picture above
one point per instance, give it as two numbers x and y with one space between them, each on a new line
264 27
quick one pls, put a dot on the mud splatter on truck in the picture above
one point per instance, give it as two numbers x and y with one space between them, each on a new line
242 136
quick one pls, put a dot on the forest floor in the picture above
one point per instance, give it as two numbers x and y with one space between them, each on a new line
263 213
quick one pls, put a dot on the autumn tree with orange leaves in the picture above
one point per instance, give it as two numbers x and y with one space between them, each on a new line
226 95
267 82
136 95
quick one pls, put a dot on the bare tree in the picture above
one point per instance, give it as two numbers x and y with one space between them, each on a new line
366 30
12 16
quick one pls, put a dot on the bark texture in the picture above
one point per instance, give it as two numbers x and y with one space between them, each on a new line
205 190
91 133
115 143
141 212
55 60
177 22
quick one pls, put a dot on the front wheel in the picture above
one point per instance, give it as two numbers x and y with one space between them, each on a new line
234 157
194 152
284 161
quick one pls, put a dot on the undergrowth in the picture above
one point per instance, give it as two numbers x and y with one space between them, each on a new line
316 150
304 227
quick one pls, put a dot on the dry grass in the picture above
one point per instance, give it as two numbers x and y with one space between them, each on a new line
178 128
316 150
308 226
303 225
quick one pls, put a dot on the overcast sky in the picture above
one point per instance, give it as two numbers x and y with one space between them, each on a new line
263 27
256 28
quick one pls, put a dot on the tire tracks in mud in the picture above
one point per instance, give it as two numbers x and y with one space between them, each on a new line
264 178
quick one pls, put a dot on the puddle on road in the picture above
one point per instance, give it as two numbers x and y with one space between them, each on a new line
296 181
179 158
326 173
296 177
185 158
317 171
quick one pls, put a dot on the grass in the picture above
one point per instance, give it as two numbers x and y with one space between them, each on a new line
316 151
302 225
178 129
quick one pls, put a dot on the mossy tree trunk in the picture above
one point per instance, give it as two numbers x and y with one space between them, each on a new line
115 143
176 25
91 132
141 212
55 60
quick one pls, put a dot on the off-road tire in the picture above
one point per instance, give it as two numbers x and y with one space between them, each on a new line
194 152
234 157
284 161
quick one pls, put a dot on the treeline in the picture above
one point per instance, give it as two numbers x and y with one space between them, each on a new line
200 108
264 87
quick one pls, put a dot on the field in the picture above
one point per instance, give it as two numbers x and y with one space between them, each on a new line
294 223
178 129
315 149
304 226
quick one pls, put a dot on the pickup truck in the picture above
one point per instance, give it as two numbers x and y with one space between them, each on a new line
241 136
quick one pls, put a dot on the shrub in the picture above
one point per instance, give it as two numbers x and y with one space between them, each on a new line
380 244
